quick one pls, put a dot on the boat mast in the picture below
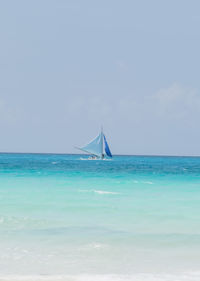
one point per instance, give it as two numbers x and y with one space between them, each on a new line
101 142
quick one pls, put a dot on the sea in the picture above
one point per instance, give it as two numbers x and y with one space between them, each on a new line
66 218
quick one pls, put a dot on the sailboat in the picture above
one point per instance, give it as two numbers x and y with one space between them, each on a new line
98 147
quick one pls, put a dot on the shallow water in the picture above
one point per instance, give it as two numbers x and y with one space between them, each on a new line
131 218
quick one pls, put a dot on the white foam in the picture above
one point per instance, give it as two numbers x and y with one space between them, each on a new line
105 192
95 246
98 191
148 182
195 276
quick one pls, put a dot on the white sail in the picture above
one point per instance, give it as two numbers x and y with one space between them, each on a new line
94 147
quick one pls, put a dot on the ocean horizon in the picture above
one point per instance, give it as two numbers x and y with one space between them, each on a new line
129 218
86 155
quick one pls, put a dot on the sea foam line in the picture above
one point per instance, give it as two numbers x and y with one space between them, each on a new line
195 276
98 191
105 192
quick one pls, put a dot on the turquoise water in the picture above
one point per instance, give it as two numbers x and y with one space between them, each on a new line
131 218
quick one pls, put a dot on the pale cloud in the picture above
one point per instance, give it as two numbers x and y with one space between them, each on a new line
103 110
91 106
122 64
7 113
176 101
176 94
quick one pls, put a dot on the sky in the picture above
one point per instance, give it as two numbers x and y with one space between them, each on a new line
69 66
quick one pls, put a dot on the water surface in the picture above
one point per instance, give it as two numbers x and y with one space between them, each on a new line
131 218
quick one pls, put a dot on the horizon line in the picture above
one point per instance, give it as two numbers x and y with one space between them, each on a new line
137 155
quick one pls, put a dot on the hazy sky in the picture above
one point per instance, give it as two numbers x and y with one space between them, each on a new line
69 66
